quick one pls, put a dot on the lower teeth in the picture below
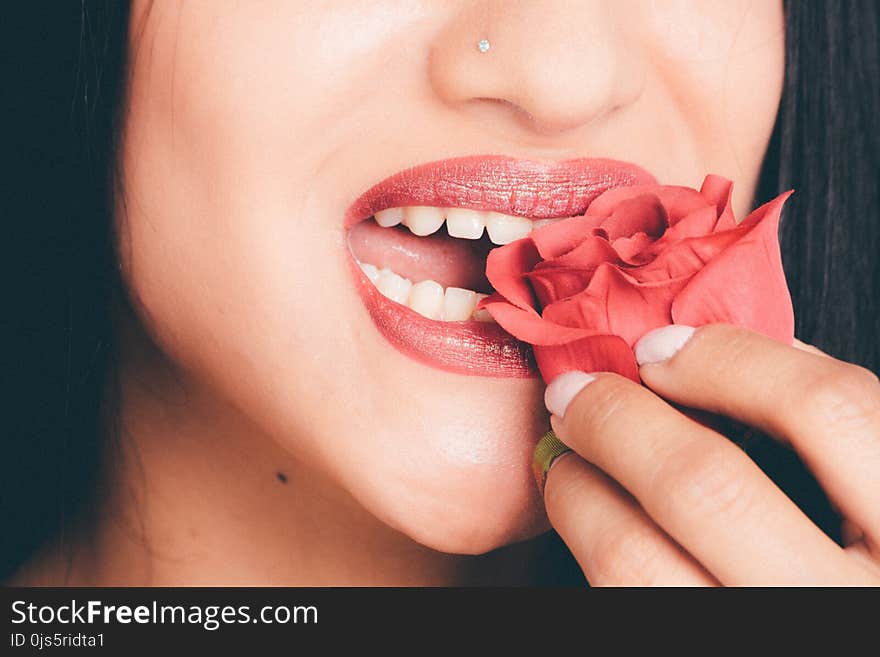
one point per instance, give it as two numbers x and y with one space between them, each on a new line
428 298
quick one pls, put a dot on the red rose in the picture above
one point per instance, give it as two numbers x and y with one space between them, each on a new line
583 290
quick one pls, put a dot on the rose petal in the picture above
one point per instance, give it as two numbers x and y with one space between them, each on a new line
528 326
615 303
745 284
589 254
599 353
678 201
759 214
551 285
634 250
640 214
718 191
553 240
505 269
559 349
686 257
697 224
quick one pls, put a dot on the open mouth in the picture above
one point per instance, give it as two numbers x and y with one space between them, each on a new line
433 260
419 242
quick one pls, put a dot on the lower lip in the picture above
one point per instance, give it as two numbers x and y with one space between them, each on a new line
473 348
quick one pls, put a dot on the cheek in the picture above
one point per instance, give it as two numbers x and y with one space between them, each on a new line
754 76
723 65
232 240
228 236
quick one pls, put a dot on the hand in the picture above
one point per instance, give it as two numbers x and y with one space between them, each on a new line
649 496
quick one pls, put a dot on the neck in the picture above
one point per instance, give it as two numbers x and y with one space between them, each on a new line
195 494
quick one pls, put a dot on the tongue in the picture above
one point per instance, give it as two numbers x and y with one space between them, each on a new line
449 261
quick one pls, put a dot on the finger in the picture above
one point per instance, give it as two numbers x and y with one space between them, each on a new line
808 348
697 486
827 409
613 540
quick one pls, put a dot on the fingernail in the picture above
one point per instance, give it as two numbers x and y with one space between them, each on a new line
662 343
563 389
547 451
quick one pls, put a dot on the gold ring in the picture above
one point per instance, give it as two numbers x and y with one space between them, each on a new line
548 449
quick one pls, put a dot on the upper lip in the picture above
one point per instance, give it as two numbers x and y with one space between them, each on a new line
527 188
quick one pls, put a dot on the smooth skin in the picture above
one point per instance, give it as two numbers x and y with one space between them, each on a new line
652 497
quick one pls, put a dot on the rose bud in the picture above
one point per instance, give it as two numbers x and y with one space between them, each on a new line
583 290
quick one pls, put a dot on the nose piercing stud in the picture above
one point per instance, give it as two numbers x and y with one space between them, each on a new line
483 45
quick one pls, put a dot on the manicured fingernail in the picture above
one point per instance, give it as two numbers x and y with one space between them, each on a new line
662 343
563 389
547 451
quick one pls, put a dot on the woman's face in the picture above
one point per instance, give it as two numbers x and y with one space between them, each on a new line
253 129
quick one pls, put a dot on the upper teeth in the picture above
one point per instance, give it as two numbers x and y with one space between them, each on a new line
460 222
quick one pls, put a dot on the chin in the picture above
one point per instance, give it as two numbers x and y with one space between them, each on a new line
471 510
480 533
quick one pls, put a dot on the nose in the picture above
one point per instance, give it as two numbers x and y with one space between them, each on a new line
556 65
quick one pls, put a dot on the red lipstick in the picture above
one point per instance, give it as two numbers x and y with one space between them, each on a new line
526 188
